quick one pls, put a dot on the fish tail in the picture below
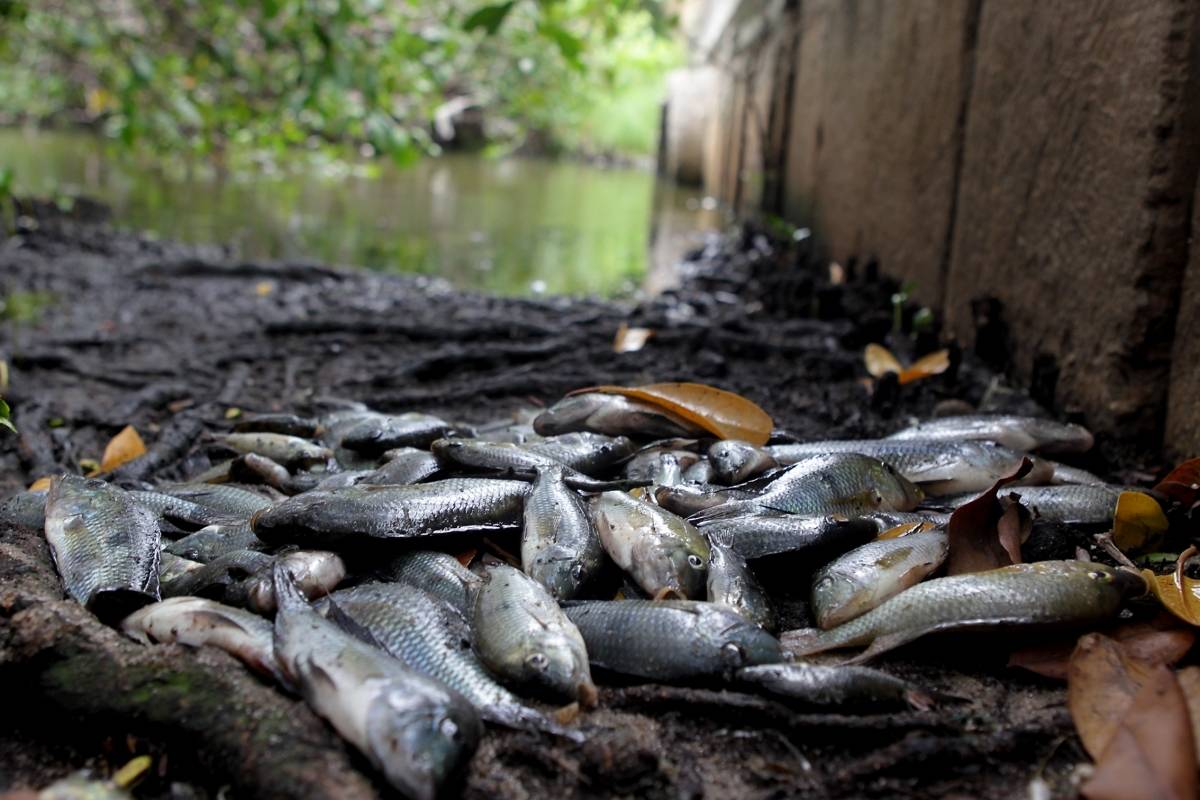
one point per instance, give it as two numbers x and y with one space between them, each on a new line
287 594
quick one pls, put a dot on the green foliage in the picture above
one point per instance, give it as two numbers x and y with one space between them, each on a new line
253 80
6 416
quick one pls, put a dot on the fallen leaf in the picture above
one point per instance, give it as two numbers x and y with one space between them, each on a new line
123 448
467 556
264 288
1138 523
905 528
41 483
1102 681
1162 640
1152 753
880 361
89 466
1178 593
977 540
630 340
1182 484
233 413
724 414
933 364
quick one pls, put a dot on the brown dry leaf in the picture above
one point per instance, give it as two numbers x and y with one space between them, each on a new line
41 483
1151 754
1101 684
1182 484
1189 682
724 414
122 448
933 364
264 288
630 340
880 361
1162 640
1138 523
977 542
467 556
1178 593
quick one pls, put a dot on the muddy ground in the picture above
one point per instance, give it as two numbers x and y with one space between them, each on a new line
169 337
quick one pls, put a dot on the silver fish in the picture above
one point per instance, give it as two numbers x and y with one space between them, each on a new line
414 729
27 509
670 639
839 688
215 541
701 473
232 501
374 434
735 461
522 635
731 583
440 574
175 510
404 465
315 572
613 415
854 583
772 532
291 451
660 551
1079 504
171 567
105 546
1044 593
589 453
1026 434
198 622
216 577
288 424
560 547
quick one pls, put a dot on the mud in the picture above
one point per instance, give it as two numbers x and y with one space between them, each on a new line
168 338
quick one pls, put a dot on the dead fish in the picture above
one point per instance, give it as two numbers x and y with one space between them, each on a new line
1066 474
613 415
660 551
171 567
560 546
198 622
660 467
440 574
184 513
1025 434
1078 504
502 457
688 500
865 577
701 473
589 453
315 572
324 518
27 509
937 467
377 433
253 468
840 689
1044 593
522 635
404 465
232 501
215 541
291 451
670 639
731 583
772 532
105 546
434 639
286 424
215 578
887 520
735 461
415 730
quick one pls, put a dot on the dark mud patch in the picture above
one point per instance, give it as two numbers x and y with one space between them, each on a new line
168 338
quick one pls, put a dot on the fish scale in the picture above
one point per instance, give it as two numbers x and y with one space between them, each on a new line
560 547
439 574
223 499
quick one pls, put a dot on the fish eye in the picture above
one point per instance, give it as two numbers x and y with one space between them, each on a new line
538 661
694 561
734 653
1097 575
449 728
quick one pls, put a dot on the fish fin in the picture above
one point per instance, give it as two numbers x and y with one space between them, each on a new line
882 644
726 511
337 616
287 594
919 699
528 719
113 605
583 483
803 641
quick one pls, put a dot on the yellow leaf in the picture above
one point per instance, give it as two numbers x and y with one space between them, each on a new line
880 361
90 466
3 376
1178 593
905 528
932 364
1138 523
233 413
129 774
264 288
124 447
630 340
724 414
40 484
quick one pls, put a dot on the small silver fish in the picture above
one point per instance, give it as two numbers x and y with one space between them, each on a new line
613 415
1026 434
660 551
731 583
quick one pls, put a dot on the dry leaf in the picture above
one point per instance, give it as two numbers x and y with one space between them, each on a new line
1138 523
1152 754
630 340
978 542
41 483
1162 640
264 288
933 364
724 414
1101 684
123 448
1178 593
1182 484
880 361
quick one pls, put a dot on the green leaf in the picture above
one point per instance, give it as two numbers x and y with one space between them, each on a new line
489 17
6 416
568 43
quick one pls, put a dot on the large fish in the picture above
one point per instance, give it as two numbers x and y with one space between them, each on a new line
840 689
560 547
105 546
414 729
663 553
670 639
519 632
1044 593
232 501
376 433
325 518
505 457
767 533
1020 433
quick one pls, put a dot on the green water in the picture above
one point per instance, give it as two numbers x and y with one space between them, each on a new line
510 226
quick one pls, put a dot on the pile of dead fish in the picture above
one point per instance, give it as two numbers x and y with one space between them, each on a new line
372 541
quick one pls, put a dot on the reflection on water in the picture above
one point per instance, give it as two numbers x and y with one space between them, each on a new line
512 226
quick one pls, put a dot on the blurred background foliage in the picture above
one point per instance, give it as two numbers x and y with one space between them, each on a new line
244 82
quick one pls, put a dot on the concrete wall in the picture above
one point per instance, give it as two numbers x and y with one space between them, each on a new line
1043 155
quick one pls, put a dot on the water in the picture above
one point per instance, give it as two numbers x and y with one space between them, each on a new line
511 226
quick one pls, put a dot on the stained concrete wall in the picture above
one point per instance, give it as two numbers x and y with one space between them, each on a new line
1040 154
